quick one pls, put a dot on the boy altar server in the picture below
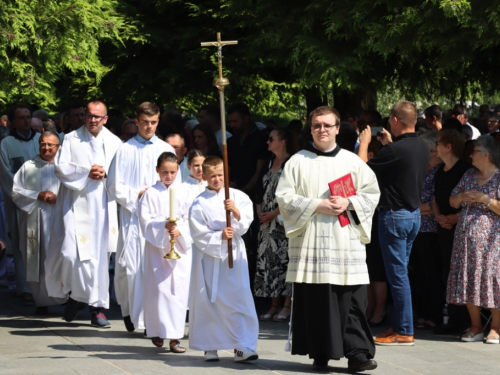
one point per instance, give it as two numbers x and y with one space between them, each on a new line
130 174
222 312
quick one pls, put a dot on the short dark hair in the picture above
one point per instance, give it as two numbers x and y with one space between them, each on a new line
453 138
241 108
148 108
74 105
12 112
166 157
213 110
375 116
434 110
452 123
324 110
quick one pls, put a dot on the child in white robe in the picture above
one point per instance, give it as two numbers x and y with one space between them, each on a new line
166 281
194 184
221 312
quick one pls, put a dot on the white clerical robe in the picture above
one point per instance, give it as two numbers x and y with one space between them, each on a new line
320 250
14 152
221 311
166 281
85 224
35 222
184 170
133 169
191 188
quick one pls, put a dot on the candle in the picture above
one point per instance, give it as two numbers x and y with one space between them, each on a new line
173 204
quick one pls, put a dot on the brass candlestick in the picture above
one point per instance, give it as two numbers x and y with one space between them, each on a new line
172 254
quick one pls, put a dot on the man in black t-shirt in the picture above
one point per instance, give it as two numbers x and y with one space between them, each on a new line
400 167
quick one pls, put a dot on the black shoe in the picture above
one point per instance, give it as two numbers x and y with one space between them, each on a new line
361 363
320 365
71 310
42 310
128 323
27 299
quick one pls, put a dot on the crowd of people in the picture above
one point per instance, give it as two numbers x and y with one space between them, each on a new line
325 220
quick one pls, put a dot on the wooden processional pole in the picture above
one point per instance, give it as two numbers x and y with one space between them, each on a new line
221 82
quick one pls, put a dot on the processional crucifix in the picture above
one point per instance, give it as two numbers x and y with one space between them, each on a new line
221 82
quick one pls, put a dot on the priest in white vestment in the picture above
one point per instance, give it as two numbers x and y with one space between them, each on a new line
130 174
221 309
166 281
35 193
16 149
328 261
85 226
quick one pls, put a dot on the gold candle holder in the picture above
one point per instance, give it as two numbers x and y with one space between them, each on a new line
172 254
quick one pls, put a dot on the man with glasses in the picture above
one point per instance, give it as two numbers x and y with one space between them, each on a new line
35 194
85 226
16 149
131 173
493 124
327 259
400 167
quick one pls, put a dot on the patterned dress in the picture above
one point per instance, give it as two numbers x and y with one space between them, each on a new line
475 264
272 254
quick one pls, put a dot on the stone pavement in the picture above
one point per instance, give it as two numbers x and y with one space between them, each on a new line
48 345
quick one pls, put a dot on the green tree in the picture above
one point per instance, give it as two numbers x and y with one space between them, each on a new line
43 40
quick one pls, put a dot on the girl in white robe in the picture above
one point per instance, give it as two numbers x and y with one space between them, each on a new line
166 281
194 184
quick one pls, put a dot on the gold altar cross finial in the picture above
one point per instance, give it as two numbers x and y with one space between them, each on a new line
221 82
32 239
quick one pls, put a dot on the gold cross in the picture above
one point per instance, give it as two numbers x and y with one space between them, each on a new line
221 82
32 239
83 239
113 230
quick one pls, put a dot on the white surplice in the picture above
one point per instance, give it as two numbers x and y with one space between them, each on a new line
166 281
221 307
85 225
14 152
320 250
132 170
35 222
191 188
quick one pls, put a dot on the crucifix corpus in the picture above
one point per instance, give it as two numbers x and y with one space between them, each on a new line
221 82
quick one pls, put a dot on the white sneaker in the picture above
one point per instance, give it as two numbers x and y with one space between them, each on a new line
211 356
245 354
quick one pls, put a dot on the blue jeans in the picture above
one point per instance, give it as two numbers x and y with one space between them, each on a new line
397 230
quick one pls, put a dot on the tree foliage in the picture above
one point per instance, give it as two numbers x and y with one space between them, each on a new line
42 41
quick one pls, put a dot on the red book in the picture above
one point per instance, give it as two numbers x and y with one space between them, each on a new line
343 187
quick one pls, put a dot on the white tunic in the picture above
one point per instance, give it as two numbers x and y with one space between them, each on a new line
85 224
132 170
35 176
166 281
320 250
191 188
221 311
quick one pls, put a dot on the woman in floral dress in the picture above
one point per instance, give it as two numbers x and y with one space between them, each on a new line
272 254
474 278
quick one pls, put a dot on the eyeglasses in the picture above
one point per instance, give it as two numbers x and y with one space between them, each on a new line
49 145
492 121
95 117
327 127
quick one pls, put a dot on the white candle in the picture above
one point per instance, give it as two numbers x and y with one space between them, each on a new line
173 204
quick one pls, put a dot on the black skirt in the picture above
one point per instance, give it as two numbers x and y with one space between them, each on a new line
329 322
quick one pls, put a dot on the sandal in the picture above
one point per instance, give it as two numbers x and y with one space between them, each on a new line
158 342
494 336
269 316
426 325
473 333
281 317
177 348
